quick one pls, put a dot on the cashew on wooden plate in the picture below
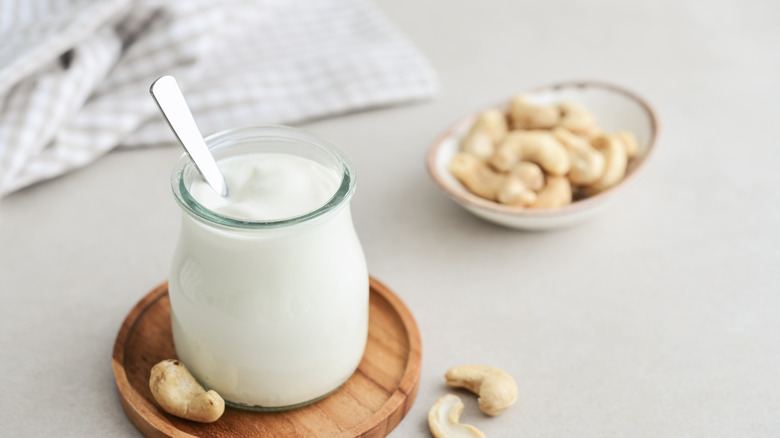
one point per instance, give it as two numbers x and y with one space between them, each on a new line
444 419
179 394
497 390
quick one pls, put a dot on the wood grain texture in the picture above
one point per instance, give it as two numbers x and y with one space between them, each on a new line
370 404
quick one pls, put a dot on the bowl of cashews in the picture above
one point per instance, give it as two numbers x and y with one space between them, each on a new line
547 158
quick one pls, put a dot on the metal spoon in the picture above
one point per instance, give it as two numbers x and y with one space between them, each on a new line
165 91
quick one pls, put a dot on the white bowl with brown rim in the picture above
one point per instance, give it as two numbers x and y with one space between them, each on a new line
614 109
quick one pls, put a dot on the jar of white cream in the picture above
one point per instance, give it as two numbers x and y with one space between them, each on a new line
269 287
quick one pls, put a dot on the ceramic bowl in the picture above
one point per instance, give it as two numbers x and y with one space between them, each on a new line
614 109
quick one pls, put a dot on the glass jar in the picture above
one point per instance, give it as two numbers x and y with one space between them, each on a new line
270 314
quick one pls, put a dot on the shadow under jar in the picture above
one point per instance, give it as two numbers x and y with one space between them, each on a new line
270 313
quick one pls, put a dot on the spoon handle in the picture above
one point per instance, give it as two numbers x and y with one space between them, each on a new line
165 91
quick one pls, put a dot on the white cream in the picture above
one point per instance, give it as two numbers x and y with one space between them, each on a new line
266 186
270 317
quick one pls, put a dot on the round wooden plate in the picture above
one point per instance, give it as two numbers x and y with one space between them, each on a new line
370 404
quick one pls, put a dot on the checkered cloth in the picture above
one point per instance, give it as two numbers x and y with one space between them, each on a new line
75 74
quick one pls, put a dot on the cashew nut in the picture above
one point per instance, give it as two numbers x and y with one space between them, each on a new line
530 173
629 142
526 115
541 147
179 394
587 164
479 144
497 390
556 193
476 176
616 162
516 192
444 416
488 129
524 180
493 122
578 120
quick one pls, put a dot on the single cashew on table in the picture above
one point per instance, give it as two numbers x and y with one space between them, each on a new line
497 390
444 419
541 156
179 394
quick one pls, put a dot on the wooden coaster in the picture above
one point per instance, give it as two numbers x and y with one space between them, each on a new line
370 404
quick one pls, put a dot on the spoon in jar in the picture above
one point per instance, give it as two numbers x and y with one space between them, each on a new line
165 91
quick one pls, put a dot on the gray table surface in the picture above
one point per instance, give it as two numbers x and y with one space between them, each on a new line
658 318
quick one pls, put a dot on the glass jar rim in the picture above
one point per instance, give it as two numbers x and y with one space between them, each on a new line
224 139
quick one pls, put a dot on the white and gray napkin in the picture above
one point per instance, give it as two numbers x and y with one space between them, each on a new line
75 74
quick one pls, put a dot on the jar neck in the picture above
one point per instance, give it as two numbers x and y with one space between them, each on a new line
268 139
